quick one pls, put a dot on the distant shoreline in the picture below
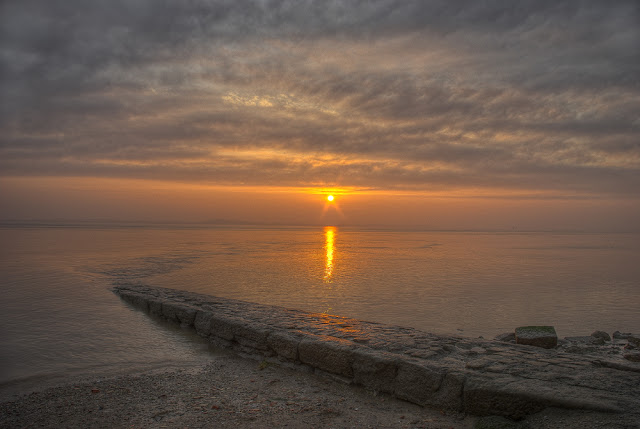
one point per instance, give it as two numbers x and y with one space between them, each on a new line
222 223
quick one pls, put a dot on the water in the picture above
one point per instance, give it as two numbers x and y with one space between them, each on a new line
59 318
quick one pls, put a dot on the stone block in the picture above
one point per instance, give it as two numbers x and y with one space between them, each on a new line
499 396
416 382
330 354
284 345
448 396
252 335
177 312
202 323
137 300
224 327
515 398
538 336
374 369
155 306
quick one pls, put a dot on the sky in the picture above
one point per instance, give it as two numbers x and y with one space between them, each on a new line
439 114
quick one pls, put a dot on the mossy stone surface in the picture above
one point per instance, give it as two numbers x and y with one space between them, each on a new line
539 336
537 330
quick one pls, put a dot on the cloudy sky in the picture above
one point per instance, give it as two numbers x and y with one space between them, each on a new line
494 114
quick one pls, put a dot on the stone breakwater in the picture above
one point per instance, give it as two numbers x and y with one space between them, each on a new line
476 376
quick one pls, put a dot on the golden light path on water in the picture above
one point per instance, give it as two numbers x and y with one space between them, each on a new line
329 233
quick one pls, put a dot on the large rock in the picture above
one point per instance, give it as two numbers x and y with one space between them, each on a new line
375 369
601 334
179 312
539 336
634 340
284 344
330 354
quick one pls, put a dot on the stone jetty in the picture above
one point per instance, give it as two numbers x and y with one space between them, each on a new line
475 376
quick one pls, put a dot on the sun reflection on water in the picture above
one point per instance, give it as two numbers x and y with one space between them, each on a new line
330 234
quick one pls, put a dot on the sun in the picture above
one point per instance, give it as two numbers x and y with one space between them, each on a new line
329 198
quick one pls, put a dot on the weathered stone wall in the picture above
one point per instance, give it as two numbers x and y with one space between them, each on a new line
472 375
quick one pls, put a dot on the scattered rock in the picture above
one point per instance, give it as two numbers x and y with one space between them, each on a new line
508 337
586 340
601 334
477 350
538 336
633 356
621 336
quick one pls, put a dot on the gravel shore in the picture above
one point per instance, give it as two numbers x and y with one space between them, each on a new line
231 392
235 392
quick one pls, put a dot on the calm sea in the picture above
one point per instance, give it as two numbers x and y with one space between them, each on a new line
59 318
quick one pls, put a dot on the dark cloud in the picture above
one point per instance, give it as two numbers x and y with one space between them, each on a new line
383 94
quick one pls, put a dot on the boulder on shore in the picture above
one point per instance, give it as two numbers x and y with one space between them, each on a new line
601 334
538 336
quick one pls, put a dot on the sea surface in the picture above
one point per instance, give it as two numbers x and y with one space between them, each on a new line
59 318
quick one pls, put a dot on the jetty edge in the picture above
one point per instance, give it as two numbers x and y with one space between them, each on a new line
474 376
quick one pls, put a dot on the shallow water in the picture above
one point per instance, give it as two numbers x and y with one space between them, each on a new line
59 318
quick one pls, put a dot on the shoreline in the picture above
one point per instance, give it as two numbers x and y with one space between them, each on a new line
238 392
230 391
296 369
475 376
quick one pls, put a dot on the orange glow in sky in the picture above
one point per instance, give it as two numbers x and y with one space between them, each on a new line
406 125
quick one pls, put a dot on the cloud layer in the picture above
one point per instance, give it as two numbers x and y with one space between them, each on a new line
411 95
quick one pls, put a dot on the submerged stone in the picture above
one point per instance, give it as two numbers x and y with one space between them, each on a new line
538 336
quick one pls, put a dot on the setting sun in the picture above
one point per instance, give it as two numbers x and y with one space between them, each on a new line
330 198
